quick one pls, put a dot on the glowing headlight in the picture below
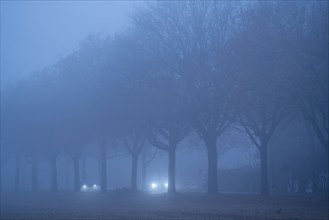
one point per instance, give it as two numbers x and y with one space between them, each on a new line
94 186
154 185
166 184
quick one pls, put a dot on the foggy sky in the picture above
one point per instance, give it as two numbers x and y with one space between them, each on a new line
36 34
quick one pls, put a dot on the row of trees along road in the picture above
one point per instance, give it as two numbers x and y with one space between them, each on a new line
181 67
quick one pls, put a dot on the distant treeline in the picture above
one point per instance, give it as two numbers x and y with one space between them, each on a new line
181 69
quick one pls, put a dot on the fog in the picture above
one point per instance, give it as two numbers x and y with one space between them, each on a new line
161 110
51 31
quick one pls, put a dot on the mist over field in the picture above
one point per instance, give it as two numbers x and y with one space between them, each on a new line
164 110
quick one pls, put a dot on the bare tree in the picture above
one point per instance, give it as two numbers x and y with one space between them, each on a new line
189 40
259 120
134 142
307 79
108 150
52 154
167 138
147 156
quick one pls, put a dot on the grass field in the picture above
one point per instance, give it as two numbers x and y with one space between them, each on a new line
160 206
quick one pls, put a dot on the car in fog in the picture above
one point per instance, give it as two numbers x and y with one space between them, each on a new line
158 186
89 188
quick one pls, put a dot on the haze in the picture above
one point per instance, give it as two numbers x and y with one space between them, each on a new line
52 30
164 109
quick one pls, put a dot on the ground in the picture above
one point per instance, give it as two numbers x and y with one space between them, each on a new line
94 205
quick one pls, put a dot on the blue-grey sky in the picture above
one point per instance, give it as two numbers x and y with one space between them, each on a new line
35 34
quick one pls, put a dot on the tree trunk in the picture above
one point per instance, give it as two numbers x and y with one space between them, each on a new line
134 173
172 170
271 174
34 174
311 136
144 170
53 165
67 167
17 172
264 170
212 166
103 168
145 162
314 170
84 169
76 165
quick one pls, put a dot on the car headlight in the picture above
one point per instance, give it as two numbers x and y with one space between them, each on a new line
154 185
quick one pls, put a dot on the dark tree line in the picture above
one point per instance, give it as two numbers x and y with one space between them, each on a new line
181 67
